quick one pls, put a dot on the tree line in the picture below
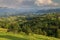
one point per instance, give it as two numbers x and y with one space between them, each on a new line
46 24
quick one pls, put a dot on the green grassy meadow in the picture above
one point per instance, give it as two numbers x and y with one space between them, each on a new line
21 36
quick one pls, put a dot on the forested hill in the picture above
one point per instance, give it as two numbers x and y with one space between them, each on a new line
46 24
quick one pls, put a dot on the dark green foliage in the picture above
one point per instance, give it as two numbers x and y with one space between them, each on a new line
47 24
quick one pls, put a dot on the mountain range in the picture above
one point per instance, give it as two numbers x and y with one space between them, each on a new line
57 10
9 11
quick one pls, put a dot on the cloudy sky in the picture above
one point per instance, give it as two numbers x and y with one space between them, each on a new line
29 4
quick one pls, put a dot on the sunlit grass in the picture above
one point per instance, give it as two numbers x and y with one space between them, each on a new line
22 36
12 36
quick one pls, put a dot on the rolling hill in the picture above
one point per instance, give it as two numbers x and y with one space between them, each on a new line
21 36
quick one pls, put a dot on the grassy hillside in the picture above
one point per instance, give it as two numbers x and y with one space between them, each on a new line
46 24
12 36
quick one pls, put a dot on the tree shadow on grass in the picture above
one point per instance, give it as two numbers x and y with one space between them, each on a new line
11 37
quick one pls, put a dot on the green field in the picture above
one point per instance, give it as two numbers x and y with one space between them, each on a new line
21 36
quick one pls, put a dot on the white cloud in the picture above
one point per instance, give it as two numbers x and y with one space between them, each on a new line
26 3
45 2
10 3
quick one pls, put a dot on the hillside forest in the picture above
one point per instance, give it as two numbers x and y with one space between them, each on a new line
45 24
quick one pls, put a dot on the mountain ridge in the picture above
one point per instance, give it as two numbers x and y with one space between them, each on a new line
9 11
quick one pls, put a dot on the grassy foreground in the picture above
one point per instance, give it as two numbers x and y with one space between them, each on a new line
12 36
